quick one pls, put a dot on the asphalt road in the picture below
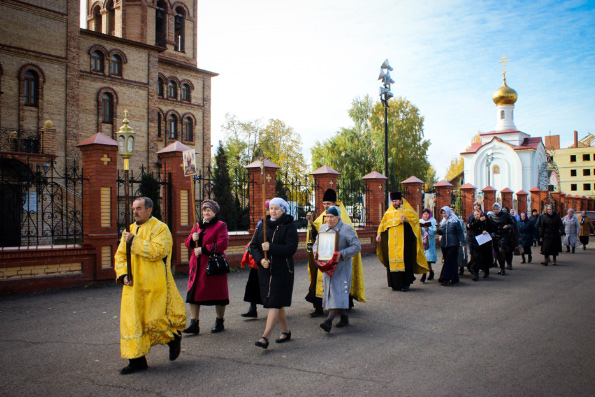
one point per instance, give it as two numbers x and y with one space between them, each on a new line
530 333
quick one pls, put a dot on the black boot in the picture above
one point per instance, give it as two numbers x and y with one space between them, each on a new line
343 322
423 278
523 256
461 271
251 313
326 325
431 276
317 312
573 249
134 365
486 273
530 258
567 249
193 328
475 276
175 346
218 326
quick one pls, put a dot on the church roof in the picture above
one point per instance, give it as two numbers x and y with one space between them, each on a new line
531 143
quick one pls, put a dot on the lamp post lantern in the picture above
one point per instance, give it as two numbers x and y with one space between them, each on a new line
126 137
489 159
385 96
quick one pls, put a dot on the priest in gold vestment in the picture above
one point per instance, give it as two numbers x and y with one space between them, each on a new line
400 247
152 310
357 291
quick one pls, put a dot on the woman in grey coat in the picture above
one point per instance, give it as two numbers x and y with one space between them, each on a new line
571 229
335 296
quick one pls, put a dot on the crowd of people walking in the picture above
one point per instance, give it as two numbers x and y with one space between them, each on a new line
153 310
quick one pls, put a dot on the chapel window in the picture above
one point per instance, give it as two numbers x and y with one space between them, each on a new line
160 88
188 129
111 17
97 62
173 127
107 108
97 19
185 93
179 29
160 23
172 90
116 66
31 88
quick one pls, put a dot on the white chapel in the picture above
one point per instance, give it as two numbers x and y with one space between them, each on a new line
504 157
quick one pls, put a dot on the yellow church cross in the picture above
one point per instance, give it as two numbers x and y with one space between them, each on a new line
503 62
105 159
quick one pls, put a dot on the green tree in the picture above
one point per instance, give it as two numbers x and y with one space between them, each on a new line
358 150
222 189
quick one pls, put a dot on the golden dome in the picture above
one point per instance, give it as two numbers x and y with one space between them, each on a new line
504 95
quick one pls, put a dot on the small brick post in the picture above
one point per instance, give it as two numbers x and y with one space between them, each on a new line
535 200
324 178
443 194
100 226
468 194
506 197
48 139
375 198
489 198
521 198
182 219
412 187
270 174
571 201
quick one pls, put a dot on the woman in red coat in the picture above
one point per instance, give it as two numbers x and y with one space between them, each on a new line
204 289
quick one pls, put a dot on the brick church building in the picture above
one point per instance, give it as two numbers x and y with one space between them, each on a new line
139 55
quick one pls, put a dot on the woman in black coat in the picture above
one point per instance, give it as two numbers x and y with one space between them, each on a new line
275 273
481 255
550 230
505 236
526 233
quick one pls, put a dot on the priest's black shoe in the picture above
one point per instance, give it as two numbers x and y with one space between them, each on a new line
218 326
175 346
192 328
326 325
343 322
431 276
317 312
423 278
135 365
251 313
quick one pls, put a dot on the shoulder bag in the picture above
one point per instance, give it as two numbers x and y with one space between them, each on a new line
217 263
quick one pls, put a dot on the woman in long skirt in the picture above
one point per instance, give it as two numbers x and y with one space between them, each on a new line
452 238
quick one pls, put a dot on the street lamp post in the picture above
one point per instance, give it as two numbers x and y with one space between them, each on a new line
489 159
385 96
126 137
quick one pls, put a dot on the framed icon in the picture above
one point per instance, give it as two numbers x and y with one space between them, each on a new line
189 158
328 243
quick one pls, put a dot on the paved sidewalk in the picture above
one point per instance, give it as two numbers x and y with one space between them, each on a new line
530 333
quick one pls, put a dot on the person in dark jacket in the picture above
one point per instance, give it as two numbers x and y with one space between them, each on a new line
275 271
551 228
534 217
505 237
481 255
452 238
526 233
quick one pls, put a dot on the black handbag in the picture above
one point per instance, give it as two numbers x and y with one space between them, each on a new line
217 263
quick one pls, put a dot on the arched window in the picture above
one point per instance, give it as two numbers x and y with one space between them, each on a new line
502 115
116 66
173 126
31 88
159 124
172 90
160 87
160 23
179 29
111 17
185 93
107 108
188 129
97 62
97 19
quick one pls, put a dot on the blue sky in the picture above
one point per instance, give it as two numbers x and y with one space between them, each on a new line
304 62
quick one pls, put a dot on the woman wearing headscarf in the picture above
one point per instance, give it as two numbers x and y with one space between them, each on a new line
550 230
452 238
207 290
585 229
275 272
571 229
336 284
505 237
526 234
481 255
428 230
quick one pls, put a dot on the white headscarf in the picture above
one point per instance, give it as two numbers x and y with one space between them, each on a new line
450 217
279 202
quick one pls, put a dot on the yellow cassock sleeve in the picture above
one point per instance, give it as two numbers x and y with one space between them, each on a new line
152 309
391 222
358 289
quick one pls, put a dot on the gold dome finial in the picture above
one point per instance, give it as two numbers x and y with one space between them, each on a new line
504 95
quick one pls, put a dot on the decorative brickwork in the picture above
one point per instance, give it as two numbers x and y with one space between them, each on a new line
412 188
506 195
443 194
468 196
489 198
521 197
256 199
376 198
324 178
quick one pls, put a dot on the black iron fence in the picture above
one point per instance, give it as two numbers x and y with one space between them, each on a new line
146 184
39 205
22 141
299 192
353 195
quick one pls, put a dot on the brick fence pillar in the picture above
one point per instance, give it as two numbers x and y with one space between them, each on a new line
100 219
48 139
506 195
468 195
572 201
324 178
376 198
412 187
521 198
181 205
591 204
443 194
489 198
558 198
256 199
535 203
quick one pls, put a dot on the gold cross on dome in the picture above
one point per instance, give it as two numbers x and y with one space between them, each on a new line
503 62
105 159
